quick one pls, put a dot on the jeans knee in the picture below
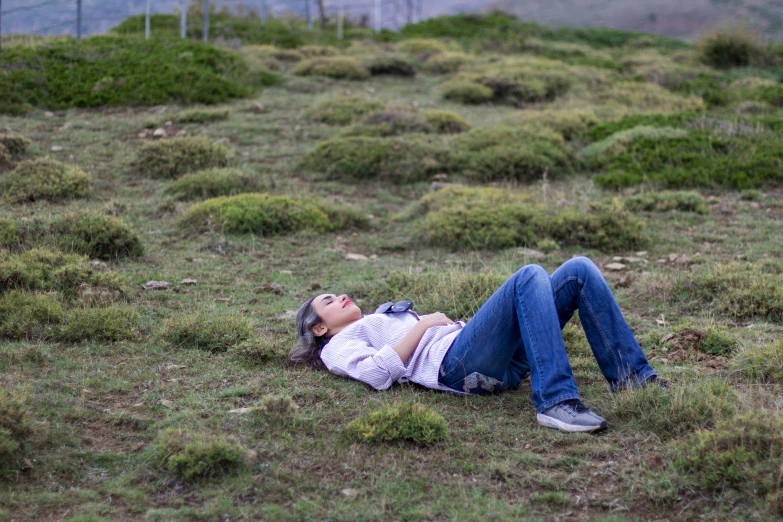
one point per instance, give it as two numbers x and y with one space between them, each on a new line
581 267
532 274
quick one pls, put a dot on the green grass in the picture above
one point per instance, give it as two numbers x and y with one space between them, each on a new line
255 437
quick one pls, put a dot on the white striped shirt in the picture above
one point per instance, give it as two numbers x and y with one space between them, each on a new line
363 351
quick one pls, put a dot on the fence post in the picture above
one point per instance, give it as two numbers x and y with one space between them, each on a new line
263 12
340 17
205 26
1 26
147 21
78 19
378 16
183 23
309 11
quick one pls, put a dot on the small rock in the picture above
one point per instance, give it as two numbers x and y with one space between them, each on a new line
288 314
660 260
437 185
56 148
440 177
272 288
160 132
641 253
529 252
168 124
356 257
287 272
253 301
615 266
350 492
374 256
683 259
242 411
223 300
370 89
98 266
257 107
634 259
182 132
156 285
673 257
142 134
315 286
175 366
167 403
49 114
617 258
188 281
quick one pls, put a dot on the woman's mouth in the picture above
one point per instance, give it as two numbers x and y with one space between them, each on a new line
347 303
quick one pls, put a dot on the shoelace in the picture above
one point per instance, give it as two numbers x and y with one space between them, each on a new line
574 406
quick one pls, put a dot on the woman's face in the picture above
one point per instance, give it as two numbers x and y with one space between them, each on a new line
336 312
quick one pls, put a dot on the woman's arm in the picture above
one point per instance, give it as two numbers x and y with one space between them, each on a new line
408 344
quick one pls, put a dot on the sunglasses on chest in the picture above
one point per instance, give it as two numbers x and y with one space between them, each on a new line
406 305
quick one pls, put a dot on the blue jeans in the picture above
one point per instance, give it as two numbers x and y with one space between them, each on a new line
518 331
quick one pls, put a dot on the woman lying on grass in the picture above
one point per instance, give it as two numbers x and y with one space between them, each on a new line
515 333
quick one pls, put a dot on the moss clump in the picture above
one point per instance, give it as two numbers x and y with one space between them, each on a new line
96 235
206 331
717 342
396 160
618 143
25 315
390 65
736 46
400 422
445 122
11 233
571 124
666 201
510 153
519 84
384 124
101 324
41 269
198 457
312 51
421 46
672 413
460 217
342 110
458 294
269 215
16 147
448 62
202 115
44 179
276 409
171 158
212 183
743 454
15 429
337 67
740 290
466 92
755 89
761 364
640 97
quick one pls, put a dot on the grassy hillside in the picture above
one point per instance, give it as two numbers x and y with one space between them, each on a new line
155 246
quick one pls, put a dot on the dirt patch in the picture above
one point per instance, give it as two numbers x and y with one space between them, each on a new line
684 346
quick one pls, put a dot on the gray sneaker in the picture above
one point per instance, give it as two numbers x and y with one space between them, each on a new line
571 415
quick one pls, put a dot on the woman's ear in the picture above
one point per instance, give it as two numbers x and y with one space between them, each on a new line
319 329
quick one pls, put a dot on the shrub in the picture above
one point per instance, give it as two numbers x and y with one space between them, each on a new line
118 70
385 124
745 195
5 158
212 183
687 201
196 457
202 115
421 46
639 97
44 179
342 110
29 316
286 55
466 92
390 64
10 233
276 409
338 67
445 122
104 324
756 89
206 331
569 123
515 153
15 428
312 51
171 158
40 269
741 290
15 146
718 343
269 215
458 294
400 422
460 217
761 364
672 413
520 84
743 453
396 160
616 144
607 129
96 235
733 47
448 62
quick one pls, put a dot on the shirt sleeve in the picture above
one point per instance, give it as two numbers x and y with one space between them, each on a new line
359 360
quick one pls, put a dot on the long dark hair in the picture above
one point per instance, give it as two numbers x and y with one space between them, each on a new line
308 346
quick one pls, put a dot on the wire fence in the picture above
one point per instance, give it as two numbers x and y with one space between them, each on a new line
84 17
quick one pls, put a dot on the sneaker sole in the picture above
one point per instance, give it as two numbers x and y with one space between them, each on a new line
551 422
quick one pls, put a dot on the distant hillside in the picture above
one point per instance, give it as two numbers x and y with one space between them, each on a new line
673 18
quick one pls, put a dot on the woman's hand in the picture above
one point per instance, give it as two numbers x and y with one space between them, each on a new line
436 319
